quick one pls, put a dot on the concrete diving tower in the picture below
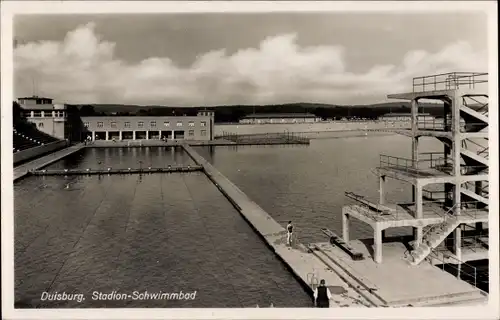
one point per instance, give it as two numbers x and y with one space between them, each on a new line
449 188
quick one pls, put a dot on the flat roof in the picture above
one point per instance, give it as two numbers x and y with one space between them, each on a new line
112 117
404 114
34 98
280 115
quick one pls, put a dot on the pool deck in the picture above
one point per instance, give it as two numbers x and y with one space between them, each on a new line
398 284
22 170
305 265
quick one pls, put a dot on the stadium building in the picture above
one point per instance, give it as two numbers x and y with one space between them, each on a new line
63 122
280 118
199 127
405 117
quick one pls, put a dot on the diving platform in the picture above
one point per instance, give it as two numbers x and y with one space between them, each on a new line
402 215
433 168
432 94
432 213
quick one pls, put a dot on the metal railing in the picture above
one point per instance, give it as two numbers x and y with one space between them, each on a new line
473 275
474 209
426 160
380 212
449 81
284 137
386 161
472 243
446 216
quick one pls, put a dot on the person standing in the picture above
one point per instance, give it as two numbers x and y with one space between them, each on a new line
289 229
322 295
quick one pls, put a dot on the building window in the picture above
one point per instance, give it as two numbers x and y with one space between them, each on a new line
86 124
40 125
179 123
203 133
191 133
140 124
166 123
37 114
153 123
127 124
100 124
113 124
203 123
191 123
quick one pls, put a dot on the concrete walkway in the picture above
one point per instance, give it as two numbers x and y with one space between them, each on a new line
22 170
306 266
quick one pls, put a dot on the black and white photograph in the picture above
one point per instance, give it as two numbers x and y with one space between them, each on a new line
194 157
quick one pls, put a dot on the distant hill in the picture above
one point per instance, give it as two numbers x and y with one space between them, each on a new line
233 113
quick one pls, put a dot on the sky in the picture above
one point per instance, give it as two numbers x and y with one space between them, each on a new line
225 59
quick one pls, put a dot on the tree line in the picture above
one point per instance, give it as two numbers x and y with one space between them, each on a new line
235 113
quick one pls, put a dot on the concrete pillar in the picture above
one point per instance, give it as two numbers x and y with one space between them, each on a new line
419 210
107 135
457 141
159 134
133 135
414 152
147 134
32 113
173 135
93 135
120 137
458 243
418 232
414 115
345 226
377 245
381 189
457 198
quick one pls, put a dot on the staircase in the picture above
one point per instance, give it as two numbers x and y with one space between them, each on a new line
433 237
474 156
474 196
482 116
474 110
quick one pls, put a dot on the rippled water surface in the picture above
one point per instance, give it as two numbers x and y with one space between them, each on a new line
155 233
171 232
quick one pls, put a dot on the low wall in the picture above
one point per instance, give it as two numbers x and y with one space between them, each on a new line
220 129
38 151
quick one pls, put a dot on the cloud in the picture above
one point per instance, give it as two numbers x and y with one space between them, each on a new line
83 69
